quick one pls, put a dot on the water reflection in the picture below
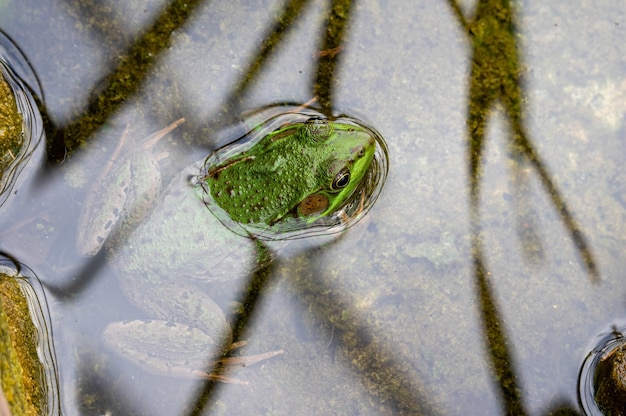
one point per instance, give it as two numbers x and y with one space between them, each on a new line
393 373
139 59
496 76
124 81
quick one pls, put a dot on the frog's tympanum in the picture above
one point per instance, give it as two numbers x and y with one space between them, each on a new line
293 174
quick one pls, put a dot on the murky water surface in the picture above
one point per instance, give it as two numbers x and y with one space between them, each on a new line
490 265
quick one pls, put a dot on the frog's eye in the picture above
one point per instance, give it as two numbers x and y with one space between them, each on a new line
314 120
317 127
342 179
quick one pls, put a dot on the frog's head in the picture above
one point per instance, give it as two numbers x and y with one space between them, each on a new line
305 170
345 153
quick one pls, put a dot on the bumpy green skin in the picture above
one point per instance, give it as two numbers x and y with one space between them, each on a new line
181 244
268 181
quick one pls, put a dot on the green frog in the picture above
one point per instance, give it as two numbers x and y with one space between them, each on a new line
292 173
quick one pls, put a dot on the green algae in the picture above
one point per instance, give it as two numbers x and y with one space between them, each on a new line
21 371
11 137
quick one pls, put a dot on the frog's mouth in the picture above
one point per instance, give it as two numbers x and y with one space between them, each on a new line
293 225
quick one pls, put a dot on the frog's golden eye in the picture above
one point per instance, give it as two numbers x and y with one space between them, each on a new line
342 179
313 204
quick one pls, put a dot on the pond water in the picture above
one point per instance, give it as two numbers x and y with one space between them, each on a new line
487 270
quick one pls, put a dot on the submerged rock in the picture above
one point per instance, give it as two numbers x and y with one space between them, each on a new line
11 137
21 371
610 382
